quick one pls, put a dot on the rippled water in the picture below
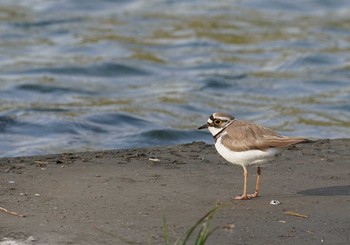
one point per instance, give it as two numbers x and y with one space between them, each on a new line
88 75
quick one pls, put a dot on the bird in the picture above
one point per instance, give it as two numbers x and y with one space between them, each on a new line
247 143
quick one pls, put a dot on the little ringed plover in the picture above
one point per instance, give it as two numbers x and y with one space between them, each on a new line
246 143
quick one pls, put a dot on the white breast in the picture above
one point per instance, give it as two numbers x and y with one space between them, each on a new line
246 158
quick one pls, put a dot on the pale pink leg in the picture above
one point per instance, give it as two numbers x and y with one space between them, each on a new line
258 180
244 196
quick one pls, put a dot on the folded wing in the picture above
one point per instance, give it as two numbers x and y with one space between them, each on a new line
245 135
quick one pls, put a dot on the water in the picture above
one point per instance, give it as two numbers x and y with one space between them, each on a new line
87 75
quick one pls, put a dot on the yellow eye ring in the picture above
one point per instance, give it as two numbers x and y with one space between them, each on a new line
217 121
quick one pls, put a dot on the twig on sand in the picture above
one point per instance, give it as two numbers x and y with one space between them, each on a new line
296 214
12 213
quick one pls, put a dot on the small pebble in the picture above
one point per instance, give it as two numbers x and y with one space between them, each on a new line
11 182
31 239
154 159
37 195
229 227
275 202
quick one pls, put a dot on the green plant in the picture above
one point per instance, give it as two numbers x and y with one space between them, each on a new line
204 232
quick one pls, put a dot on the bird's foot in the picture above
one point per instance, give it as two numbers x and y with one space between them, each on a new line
242 197
246 196
256 194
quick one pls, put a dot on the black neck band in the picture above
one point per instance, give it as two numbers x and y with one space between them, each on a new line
216 136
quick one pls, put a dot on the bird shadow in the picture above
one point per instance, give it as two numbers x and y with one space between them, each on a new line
342 190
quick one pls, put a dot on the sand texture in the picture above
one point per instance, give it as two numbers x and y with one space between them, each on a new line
111 197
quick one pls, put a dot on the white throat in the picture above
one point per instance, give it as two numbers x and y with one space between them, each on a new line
214 130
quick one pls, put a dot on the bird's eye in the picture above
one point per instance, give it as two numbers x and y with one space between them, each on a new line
217 121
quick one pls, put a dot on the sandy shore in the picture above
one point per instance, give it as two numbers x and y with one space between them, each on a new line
104 197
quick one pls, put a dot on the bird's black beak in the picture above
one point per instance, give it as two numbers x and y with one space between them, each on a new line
204 126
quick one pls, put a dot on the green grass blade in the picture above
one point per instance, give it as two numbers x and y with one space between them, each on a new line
208 234
201 234
207 215
165 230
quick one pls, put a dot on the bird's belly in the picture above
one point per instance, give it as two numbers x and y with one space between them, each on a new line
246 157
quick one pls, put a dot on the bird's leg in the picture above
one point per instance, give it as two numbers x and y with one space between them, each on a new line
258 180
244 195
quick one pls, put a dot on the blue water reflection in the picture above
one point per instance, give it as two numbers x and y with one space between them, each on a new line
82 75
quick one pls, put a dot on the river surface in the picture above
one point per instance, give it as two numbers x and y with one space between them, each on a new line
90 75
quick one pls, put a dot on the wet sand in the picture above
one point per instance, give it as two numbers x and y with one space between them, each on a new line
110 196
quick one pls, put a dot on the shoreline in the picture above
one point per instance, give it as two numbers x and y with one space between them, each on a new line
104 197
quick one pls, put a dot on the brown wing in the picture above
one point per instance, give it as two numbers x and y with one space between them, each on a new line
245 135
